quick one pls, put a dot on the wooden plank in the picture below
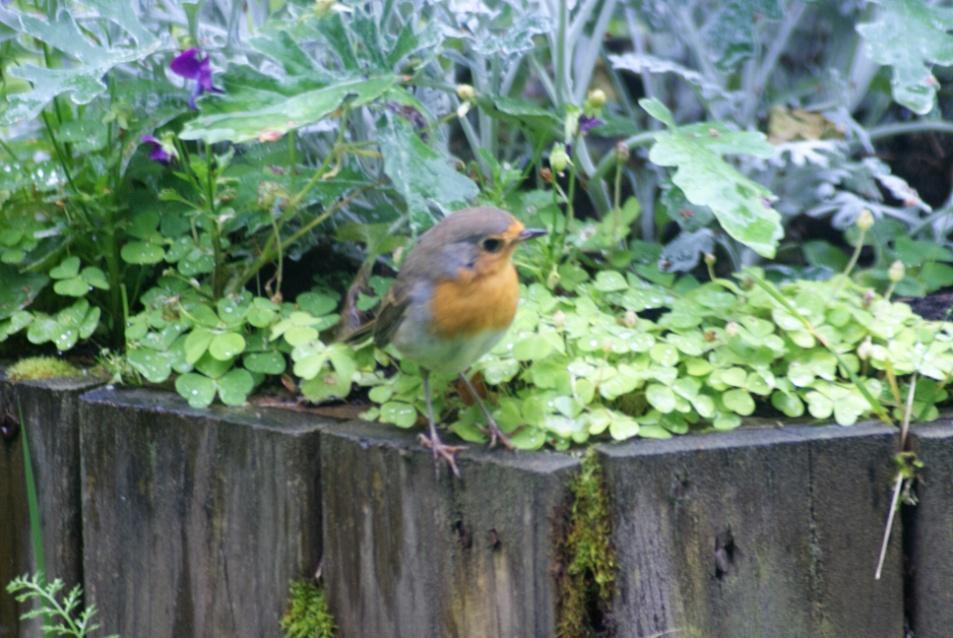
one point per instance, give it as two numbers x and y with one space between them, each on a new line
929 533
410 552
50 417
196 520
757 532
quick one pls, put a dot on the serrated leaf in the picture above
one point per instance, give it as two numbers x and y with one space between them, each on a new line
245 122
740 204
421 174
911 36
82 81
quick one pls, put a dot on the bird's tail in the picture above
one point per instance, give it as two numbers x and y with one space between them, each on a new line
355 324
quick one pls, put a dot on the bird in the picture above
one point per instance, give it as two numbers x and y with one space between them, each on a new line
453 299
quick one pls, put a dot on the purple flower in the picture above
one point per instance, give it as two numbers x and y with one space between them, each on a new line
587 123
188 65
159 152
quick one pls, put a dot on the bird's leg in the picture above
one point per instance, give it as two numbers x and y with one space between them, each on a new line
433 442
496 434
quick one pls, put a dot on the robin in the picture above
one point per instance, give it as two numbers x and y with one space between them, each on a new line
452 301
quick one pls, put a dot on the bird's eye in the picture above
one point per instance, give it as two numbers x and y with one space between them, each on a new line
492 245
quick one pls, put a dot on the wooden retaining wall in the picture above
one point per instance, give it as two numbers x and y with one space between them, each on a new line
194 521
51 417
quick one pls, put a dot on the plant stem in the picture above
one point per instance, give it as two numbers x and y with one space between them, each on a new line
273 248
561 63
898 483
640 139
33 507
617 187
215 228
909 128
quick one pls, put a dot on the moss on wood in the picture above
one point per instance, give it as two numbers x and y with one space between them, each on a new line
586 563
36 368
308 615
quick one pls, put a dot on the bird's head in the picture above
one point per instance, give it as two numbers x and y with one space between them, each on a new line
480 240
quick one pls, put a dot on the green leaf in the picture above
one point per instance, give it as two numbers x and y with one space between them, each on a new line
81 80
738 401
911 36
623 427
661 397
67 269
422 175
317 304
142 252
532 348
198 390
401 414
658 110
610 281
822 253
244 122
197 343
731 31
72 287
235 386
265 362
95 277
226 345
740 204
154 366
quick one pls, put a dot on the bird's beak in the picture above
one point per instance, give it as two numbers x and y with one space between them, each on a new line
529 233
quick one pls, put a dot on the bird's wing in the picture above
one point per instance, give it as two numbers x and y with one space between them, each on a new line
391 314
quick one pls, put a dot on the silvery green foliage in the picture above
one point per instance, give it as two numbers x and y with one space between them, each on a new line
722 61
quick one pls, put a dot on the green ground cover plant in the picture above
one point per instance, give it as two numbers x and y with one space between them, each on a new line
188 191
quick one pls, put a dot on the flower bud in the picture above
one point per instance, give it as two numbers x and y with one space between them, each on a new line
710 259
732 328
595 100
868 298
559 158
466 92
559 319
630 318
622 152
897 272
864 349
865 221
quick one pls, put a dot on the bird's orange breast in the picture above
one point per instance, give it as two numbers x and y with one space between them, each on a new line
475 302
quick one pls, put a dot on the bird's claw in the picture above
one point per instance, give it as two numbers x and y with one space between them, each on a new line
496 434
441 450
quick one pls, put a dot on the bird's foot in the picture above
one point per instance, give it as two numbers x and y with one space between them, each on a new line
496 434
443 451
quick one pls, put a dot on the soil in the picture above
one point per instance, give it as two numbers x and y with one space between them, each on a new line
938 306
